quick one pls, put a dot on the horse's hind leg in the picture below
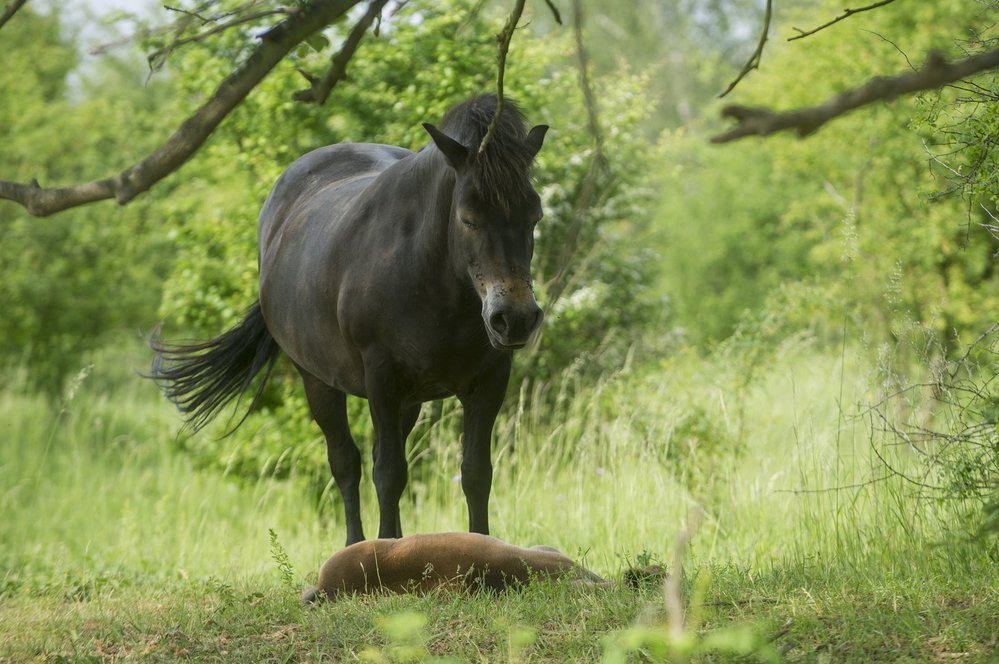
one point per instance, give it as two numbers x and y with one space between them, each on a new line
409 416
329 409
583 575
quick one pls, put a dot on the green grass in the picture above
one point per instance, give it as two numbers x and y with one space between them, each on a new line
115 546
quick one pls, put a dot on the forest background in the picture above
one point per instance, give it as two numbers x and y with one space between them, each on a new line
793 338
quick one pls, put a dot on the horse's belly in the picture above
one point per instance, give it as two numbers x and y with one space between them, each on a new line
307 331
336 368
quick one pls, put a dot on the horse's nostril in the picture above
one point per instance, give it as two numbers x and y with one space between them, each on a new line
538 316
499 323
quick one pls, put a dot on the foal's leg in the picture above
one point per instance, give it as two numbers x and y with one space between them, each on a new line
329 409
481 405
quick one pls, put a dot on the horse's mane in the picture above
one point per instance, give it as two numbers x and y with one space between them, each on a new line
501 171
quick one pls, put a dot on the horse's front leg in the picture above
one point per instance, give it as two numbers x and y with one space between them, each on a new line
389 450
481 404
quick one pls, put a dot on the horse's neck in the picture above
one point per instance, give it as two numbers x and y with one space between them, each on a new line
434 184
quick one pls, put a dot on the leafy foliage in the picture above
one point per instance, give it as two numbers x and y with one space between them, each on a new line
69 281
851 209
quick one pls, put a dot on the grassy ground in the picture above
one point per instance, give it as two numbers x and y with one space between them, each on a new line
115 547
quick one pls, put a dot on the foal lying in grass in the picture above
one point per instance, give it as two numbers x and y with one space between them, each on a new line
419 563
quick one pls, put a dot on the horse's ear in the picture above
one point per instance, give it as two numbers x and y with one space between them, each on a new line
536 138
455 153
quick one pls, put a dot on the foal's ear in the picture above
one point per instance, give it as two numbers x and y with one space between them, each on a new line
535 138
455 153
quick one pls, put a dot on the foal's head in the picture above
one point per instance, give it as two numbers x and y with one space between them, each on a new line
494 210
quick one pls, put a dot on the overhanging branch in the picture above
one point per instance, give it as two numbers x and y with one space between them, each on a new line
503 38
320 88
192 133
847 13
759 121
10 10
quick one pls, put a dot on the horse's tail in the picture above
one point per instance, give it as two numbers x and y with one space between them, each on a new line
203 377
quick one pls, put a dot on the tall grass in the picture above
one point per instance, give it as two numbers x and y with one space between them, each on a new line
102 502
784 473
96 494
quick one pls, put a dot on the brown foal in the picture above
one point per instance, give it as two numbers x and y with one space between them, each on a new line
419 563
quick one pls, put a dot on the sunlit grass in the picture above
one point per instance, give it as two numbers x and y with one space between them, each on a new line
94 493
611 472
99 505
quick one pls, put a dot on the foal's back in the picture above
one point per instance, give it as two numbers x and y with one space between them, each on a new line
419 563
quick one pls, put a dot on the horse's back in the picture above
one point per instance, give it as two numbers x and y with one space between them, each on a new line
322 169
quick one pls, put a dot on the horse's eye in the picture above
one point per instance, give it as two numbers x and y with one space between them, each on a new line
471 224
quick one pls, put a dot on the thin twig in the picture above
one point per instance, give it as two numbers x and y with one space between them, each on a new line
555 12
320 88
177 27
503 38
754 59
847 13
145 33
10 10
157 57
759 121
895 46
833 489
187 12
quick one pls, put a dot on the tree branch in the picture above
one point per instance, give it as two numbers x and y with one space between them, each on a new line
320 88
503 38
756 121
10 10
192 133
847 13
589 97
754 59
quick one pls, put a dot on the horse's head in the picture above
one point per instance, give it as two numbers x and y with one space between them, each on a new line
494 210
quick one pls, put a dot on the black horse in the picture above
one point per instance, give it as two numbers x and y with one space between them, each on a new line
393 275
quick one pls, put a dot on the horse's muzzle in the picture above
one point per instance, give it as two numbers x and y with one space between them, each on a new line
510 325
